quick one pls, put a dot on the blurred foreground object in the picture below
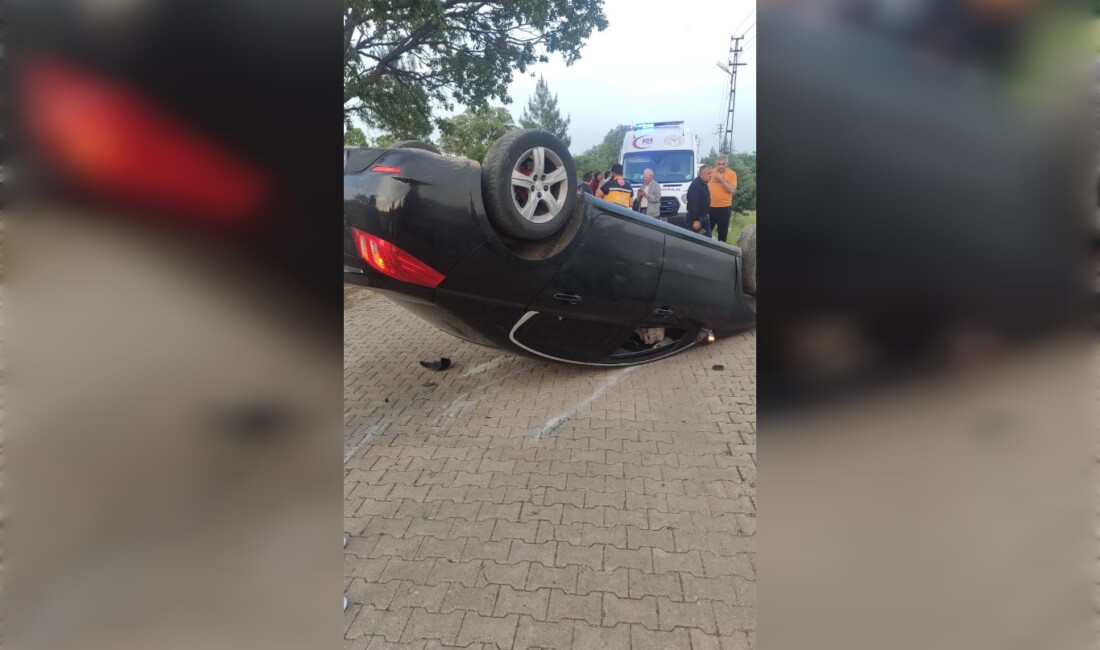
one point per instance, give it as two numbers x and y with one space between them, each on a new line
170 480
172 348
957 513
920 206
927 452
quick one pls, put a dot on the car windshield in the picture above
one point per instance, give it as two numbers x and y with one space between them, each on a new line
667 166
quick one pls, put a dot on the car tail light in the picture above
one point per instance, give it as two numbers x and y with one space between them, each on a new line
384 169
390 260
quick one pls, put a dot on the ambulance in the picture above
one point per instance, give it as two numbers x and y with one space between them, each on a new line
670 150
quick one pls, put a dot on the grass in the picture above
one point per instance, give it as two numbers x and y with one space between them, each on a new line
737 222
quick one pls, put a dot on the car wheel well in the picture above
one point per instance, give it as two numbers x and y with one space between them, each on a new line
543 249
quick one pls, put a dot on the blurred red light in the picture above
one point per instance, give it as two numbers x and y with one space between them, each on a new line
110 140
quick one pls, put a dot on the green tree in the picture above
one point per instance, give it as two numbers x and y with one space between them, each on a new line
399 58
354 137
542 113
744 164
474 131
387 140
606 153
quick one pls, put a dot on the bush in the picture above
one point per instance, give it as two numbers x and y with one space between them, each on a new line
744 199
737 222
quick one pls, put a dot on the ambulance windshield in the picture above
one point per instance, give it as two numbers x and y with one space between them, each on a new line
667 166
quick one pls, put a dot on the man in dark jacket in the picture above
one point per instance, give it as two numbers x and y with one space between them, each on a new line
586 183
698 215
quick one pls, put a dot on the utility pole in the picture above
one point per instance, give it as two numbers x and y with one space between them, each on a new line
731 70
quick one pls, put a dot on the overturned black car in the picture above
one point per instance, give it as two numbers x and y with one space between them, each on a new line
509 254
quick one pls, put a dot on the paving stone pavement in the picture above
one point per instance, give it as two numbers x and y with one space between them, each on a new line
512 503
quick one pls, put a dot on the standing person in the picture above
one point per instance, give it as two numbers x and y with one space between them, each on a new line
596 180
617 189
723 183
650 194
698 216
586 184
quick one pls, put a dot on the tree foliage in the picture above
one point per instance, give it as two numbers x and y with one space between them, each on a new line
474 131
710 158
600 157
354 137
399 58
744 199
387 140
542 113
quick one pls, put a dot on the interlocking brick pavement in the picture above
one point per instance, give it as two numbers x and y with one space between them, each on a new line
490 506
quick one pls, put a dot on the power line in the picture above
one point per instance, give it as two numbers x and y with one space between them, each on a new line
747 16
744 20
750 41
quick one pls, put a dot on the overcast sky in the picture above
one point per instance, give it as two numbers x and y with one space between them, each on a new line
671 49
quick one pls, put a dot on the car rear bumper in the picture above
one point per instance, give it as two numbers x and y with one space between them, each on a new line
418 300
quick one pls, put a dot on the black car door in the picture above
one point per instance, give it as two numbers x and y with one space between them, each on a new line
605 288
698 287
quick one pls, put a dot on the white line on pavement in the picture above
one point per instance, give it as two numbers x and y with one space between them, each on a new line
459 402
367 437
488 365
553 423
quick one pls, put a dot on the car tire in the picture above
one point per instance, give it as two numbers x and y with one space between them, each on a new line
746 241
514 207
416 144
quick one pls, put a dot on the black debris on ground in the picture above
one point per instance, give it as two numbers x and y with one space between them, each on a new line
438 366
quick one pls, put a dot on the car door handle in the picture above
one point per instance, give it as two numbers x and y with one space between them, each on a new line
570 298
663 311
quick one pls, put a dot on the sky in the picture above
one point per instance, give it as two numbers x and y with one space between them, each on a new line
672 55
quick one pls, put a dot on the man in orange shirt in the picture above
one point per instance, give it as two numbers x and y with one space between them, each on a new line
723 183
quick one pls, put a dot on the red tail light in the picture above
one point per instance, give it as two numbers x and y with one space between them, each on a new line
383 169
115 141
386 258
